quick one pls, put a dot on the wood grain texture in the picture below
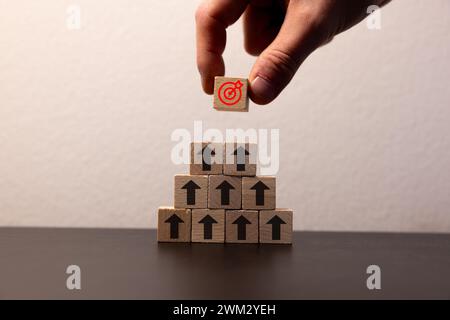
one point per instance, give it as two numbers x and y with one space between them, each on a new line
206 158
241 226
166 217
270 220
255 189
234 164
220 184
202 219
227 92
190 187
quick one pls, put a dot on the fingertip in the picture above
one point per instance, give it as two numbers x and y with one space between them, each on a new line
208 85
262 90
210 66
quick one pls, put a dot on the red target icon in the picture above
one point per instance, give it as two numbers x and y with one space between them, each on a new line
230 92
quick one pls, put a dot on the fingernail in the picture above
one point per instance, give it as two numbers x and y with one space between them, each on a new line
262 88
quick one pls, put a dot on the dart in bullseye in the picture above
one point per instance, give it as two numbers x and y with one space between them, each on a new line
230 94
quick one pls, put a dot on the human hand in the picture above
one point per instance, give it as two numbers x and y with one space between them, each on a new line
282 33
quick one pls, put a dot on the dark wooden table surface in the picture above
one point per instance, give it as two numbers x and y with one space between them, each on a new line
130 264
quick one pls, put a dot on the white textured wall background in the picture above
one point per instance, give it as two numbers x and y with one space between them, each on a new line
86 117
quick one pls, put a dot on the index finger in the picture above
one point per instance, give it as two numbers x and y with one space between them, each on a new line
212 18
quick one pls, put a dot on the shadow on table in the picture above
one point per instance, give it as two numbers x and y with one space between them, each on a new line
231 270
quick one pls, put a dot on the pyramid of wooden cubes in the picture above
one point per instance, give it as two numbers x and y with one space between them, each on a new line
222 200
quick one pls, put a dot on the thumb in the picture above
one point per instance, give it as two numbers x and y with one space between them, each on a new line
279 62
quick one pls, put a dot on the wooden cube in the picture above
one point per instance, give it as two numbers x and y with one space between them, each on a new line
241 226
190 191
206 158
224 192
275 226
258 192
240 159
208 225
230 94
174 225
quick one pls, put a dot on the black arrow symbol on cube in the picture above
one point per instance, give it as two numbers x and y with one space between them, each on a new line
206 158
174 220
190 187
276 223
242 223
259 187
207 222
225 188
240 154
